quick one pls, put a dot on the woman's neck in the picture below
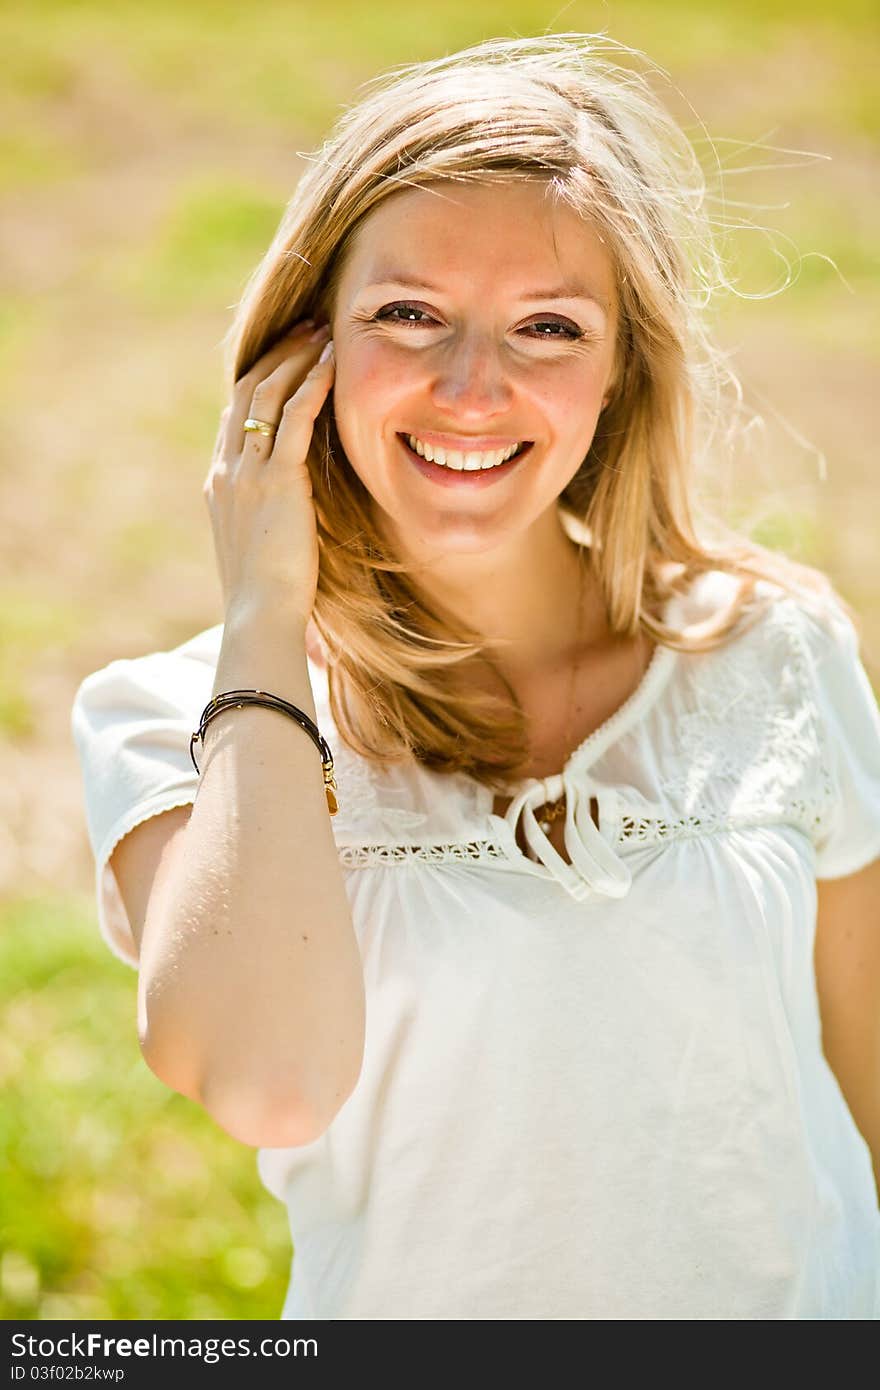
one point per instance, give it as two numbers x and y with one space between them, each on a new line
524 599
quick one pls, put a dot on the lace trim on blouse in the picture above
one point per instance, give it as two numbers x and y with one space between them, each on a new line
474 852
642 831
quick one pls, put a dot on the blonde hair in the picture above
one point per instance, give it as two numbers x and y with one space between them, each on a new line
557 108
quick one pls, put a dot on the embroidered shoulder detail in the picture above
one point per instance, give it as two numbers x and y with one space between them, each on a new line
749 743
471 852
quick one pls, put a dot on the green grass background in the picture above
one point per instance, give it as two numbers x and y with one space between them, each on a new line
145 158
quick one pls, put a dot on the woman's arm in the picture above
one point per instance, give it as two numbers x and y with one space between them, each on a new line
847 960
251 992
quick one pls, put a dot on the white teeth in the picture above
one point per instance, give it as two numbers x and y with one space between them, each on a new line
462 462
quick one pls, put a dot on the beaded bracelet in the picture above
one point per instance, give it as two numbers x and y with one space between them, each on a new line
235 699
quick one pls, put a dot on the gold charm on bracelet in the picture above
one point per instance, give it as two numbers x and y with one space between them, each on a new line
330 788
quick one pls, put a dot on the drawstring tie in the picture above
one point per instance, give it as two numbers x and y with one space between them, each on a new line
594 867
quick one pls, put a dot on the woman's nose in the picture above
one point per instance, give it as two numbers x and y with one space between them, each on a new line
472 382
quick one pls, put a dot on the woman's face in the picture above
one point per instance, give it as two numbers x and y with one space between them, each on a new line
470 318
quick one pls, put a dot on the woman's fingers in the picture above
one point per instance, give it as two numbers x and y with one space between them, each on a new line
271 395
260 500
300 412
291 348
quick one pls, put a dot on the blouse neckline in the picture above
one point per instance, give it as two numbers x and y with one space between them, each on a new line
611 730
647 691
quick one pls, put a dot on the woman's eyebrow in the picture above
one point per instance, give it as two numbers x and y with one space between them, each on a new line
387 279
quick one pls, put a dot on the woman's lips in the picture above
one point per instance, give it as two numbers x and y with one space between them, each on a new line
474 477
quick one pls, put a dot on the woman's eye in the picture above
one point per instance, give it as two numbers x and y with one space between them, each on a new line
386 314
560 330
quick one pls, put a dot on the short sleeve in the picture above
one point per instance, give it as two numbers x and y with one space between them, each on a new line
850 725
131 724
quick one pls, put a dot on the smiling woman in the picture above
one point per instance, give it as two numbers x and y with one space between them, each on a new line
528 1026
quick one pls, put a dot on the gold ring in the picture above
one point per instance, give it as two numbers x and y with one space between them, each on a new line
261 426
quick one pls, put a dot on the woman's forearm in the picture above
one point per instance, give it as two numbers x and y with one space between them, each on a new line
251 980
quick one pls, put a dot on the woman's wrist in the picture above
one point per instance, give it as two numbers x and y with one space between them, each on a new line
271 615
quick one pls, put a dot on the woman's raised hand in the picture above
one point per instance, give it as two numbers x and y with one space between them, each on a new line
258 488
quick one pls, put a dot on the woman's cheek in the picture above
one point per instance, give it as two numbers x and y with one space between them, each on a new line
364 378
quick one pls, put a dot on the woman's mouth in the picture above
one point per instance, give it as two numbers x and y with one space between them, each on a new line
451 468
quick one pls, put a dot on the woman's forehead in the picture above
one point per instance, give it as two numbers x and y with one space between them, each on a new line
508 230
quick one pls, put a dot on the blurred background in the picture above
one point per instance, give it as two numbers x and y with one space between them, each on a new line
146 155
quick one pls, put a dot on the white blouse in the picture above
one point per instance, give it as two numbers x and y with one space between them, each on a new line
589 1090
